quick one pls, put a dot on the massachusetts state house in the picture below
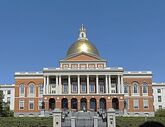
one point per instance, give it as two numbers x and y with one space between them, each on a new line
83 82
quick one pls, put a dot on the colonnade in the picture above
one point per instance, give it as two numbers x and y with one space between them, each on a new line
109 88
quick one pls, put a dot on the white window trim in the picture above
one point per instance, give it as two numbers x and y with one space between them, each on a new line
23 104
21 94
29 104
30 94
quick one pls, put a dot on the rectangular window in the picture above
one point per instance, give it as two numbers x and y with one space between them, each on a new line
21 104
160 106
92 87
125 89
41 89
74 87
126 104
83 87
101 84
159 99
52 80
31 104
136 104
158 90
8 100
145 104
65 88
40 104
8 92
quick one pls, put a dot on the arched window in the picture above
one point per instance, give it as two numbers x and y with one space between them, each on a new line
31 89
145 88
40 89
21 89
135 87
126 90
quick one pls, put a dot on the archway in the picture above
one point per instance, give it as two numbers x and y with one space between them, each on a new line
93 104
102 103
52 103
83 104
115 103
74 103
64 103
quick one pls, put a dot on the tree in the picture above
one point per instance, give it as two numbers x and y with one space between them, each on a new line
4 107
160 113
1 103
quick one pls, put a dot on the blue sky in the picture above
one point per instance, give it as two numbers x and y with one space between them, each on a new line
37 33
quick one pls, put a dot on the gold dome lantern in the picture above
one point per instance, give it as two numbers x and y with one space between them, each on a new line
82 45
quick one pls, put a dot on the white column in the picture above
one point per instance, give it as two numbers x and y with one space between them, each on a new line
60 91
44 89
47 85
118 83
87 84
57 80
97 84
69 85
78 81
122 85
106 83
109 83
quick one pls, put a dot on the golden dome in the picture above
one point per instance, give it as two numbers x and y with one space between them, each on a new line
82 45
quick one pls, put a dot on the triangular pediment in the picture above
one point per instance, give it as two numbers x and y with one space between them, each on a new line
84 57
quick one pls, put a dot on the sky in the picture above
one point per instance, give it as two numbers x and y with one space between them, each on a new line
37 33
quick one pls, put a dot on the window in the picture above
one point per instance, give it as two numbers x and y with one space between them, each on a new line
126 88
158 90
135 88
31 89
136 104
40 104
83 87
65 87
31 104
101 84
52 80
41 89
92 87
126 103
53 86
21 104
74 87
8 100
145 103
159 99
8 92
160 106
21 89
145 88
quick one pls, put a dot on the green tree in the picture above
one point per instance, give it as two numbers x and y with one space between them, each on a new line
1 103
160 113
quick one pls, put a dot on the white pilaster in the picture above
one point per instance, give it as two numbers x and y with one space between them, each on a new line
109 83
106 83
69 85
97 84
118 83
78 81
87 84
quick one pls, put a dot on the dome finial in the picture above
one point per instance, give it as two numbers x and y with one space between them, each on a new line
82 33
